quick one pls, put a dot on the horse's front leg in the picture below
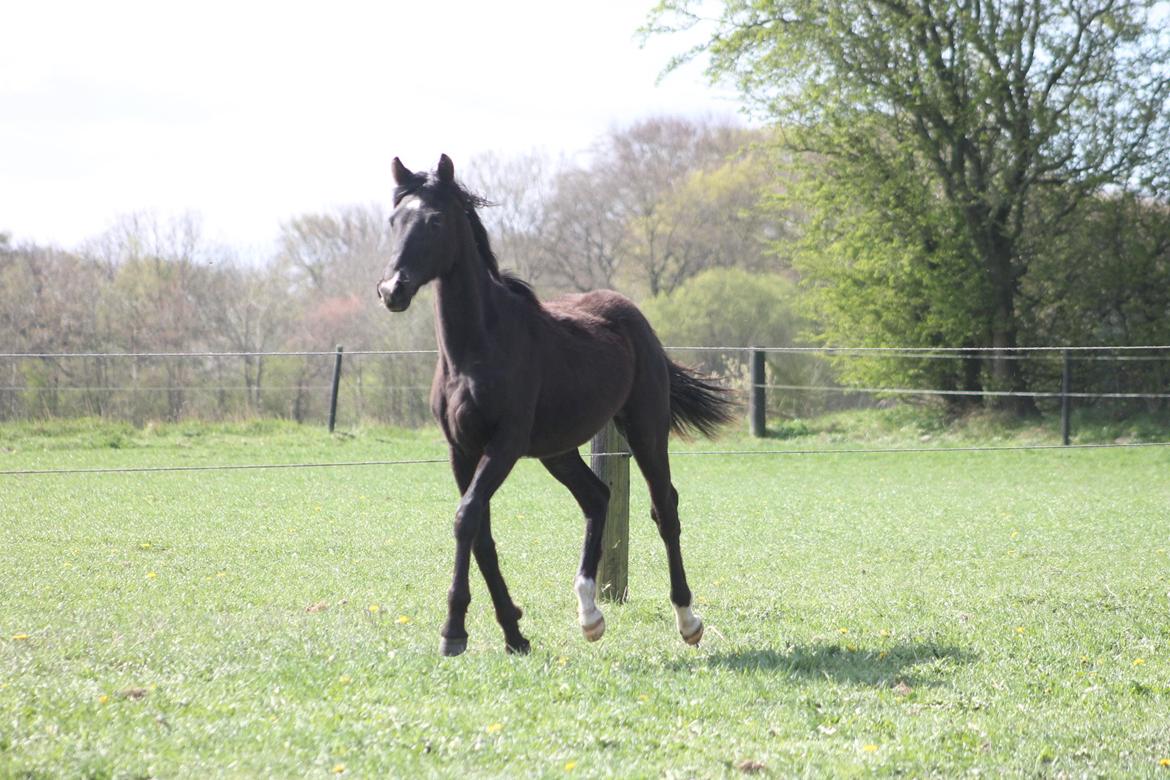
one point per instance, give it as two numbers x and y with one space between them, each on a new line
507 613
490 471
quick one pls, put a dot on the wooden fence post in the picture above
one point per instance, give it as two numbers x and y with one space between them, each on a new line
757 405
333 394
1065 382
614 471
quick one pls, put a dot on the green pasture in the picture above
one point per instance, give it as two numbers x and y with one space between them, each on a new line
936 613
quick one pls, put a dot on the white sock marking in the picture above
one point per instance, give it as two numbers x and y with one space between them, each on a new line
587 611
686 620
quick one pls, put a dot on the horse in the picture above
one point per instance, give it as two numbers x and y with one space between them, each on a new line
517 377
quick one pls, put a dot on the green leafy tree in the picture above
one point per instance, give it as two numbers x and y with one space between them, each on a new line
731 307
993 106
1105 281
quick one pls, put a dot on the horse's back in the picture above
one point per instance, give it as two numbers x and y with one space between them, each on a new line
604 309
594 349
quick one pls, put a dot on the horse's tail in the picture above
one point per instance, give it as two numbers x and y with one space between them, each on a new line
696 403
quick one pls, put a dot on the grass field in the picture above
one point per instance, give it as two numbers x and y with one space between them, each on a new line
926 614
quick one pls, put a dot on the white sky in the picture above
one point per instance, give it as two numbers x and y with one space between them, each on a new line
252 113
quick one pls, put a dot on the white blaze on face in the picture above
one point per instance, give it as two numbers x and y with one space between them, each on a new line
410 203
587 612
686 620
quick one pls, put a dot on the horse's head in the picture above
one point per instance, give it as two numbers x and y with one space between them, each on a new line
423 232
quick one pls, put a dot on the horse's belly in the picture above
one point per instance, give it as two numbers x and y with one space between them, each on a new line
570 419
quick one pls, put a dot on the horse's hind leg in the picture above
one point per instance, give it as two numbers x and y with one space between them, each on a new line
593 496
649 446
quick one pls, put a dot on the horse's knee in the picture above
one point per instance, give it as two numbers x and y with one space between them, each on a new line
468 517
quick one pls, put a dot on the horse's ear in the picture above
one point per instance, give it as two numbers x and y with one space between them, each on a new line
402 174
446 169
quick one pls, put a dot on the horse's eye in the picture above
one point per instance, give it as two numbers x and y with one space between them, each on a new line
435 221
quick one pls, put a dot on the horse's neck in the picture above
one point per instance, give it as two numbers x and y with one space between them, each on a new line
462 300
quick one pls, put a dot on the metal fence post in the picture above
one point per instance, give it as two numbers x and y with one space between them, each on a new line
757 416
333 394
614 471
1065 382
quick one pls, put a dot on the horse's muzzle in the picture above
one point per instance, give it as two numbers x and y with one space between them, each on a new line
396 292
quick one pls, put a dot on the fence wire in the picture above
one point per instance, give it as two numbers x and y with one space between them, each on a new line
988 393
999 352
1118 353
681 454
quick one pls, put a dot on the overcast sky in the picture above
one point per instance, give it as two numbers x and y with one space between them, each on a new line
251 113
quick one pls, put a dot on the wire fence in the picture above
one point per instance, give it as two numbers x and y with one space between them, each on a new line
392 386
676 454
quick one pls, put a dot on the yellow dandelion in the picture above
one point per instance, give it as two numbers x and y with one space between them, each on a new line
1164 762
570 766
150 575
403 619
884 633
882 655
1019 629
103 699
146 545
345 679
374 609
19 637
851 648
843 630
870 748
1138 661
338 769
1015 534
494 728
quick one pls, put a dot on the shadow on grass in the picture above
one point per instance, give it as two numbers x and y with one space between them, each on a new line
915 664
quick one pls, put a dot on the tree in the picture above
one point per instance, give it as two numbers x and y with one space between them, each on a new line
726 307
648 173
520 189
731 307
994 106
1105 281
249 312
327 253
584 237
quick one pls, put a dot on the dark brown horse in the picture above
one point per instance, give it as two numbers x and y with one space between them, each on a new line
517 377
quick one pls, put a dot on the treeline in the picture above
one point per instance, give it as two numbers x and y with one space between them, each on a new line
727 237
648 208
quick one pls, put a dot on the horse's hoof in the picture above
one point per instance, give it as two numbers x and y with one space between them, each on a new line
596 631
518 648
695 636
452 647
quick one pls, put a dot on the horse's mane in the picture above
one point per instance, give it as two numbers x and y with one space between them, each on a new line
471 204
